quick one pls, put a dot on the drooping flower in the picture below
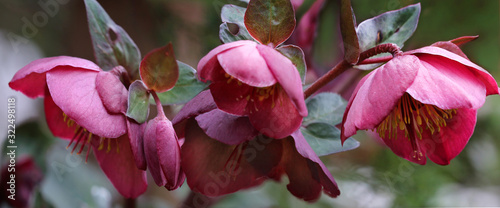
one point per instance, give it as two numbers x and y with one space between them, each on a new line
422 103
257 81
223 153
86 105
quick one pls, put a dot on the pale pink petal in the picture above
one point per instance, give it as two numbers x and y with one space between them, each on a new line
226 128
119 166
246 64
30 80
275 116
287 75
112 92
481 74
75 93
446 84
207 63
446 144
169 154
379 93
135 134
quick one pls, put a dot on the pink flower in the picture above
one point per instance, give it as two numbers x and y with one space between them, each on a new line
223 153
87 105
257 81
163 153
422 103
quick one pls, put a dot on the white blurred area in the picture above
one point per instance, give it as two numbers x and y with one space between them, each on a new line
16 52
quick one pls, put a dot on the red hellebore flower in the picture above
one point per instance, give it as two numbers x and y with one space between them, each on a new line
223 153
249 79
87 105
422 103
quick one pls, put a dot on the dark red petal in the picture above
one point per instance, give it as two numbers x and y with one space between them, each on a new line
30 80
75 93
119 166
202 103
112 92
231 97
55 119
226 128
151 153
204 162
135 134
445 145
275 116
409 149
168 150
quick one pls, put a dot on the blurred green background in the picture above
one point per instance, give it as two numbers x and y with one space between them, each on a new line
370 176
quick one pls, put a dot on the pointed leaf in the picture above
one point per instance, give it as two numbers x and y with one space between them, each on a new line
325 139
326 108
138 102
159 70
270 22
112 45
186 88
296 55
233 26
348 29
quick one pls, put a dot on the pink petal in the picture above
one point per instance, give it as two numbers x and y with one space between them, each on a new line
402 147
287 75
481 74
112 92
231 97
307 28
135 133
226 128
205 163
119 166
349 129
55 119
202 103
451 47
30 80
246 64
150 151
446 84
275 116
379 93
318 170
168 150
75 93
208 62
451 140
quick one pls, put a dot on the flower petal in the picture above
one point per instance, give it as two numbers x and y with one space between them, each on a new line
446 84
112 92
349 128
151 153
379 93
318 171
451 47
135 134
202 103
207 63
75 93
246 64
55 119
226 128
121 169
402 147
210 167
287 75
30 80
169 154
275 116
446 144
481 74
231 97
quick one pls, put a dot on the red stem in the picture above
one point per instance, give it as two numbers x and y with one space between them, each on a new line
159 107
343 66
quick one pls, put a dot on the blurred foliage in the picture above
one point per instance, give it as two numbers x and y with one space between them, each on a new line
370 176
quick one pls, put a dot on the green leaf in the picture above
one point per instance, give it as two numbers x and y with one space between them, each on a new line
112 45
296 55
325 139
348 30
138 102
159 70
186 88
326 108
270 22
391 27
233 26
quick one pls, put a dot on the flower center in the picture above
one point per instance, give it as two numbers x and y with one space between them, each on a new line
256 94
413 117
83 137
